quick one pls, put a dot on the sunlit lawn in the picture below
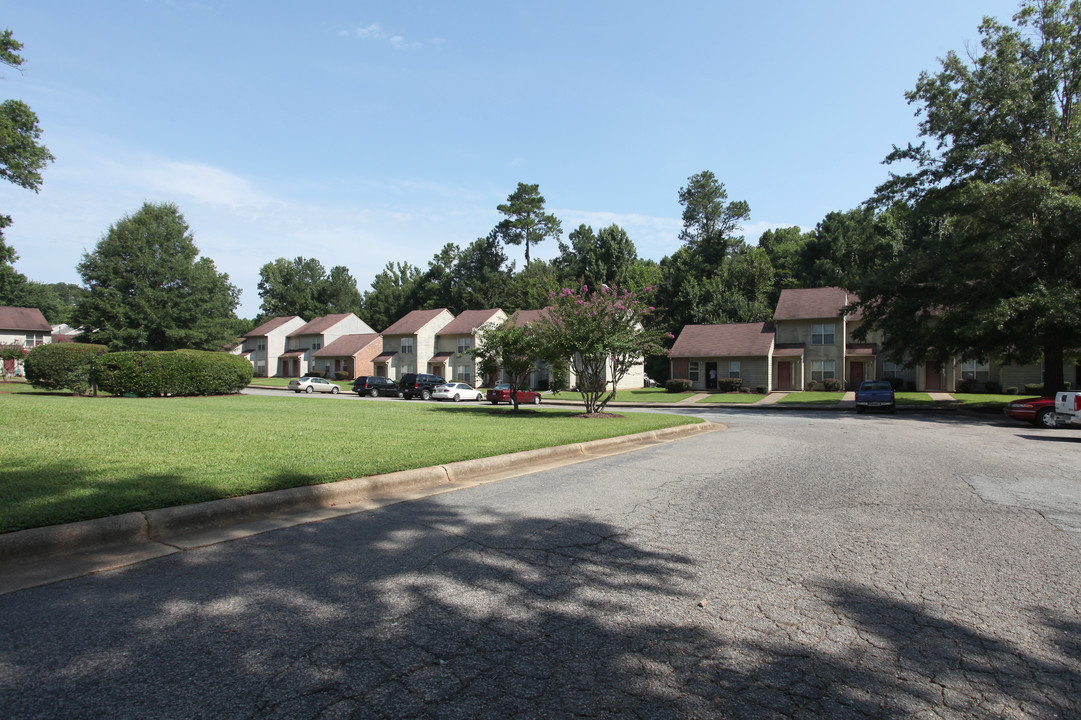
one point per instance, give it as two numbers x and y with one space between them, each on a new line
66 458
985 399
913 398
808 397
641 395
732 398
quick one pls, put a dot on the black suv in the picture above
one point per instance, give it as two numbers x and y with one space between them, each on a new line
419 384
374 386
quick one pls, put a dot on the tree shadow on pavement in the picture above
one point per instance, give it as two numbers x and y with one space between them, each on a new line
420 611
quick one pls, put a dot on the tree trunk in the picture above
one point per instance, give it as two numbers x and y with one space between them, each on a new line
1053 356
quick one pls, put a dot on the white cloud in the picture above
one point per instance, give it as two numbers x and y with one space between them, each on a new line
397 41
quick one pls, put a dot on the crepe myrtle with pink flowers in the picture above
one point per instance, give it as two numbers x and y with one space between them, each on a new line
602 334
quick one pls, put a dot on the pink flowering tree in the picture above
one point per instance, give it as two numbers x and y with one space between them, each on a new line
601 334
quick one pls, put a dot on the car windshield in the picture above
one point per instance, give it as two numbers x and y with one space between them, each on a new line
503 386
875 385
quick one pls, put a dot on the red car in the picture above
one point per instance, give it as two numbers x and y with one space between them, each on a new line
501 393
1038 411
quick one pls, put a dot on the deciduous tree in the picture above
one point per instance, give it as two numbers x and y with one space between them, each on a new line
148 289
989 258
510 347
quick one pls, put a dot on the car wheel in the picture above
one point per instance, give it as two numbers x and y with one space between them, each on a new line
536 400
1045 418
334 390
893 409
425 395
859 410
309 389
373 393
297 392
456 398
494 402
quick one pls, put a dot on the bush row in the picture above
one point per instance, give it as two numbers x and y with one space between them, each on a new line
62 366
73 366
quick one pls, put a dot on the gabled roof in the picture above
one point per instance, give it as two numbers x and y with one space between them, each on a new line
25 319
525 317
812 303
348 345
414 321
468 322
271 325
319 325
730 340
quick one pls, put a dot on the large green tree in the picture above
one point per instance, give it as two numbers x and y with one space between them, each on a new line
985 261
148 289
391 295
526 221
608 257
22 158
302 286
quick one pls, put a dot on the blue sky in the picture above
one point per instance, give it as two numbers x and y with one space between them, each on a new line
361 133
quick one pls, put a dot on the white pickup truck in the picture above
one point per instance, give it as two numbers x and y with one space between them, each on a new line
1068 408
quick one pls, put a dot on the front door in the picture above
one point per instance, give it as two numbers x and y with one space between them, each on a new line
933 378
711 376
784 374
855 374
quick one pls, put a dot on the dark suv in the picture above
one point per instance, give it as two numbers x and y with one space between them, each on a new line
374 386
418 384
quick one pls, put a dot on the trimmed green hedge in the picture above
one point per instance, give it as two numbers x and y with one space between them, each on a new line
62 366
178 372
677 385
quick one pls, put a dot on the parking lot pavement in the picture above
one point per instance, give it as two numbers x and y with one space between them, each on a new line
795 565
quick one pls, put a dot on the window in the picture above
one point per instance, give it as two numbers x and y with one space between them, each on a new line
407 346
822 369
891 369
822 334
464 373
405 370
976 370
317 344
464 344
260 346
33 340
733 369
692 371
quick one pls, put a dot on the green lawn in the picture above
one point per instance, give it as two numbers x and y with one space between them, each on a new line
812 398
732 398
986 400
913 398
67 459
640 395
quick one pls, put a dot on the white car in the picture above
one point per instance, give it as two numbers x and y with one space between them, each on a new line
313 384
456 392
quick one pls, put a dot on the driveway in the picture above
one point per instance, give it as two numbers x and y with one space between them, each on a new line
795 565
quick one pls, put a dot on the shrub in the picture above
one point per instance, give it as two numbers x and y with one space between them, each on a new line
677 385
910 386
995 388
1034 388
729 384
814 386
179 372
896 383
1011 390
341 375
831 384
761 389
557 379
62 366
746 390
966 385
316 373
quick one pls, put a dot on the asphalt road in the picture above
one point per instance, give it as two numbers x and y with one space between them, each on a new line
797 565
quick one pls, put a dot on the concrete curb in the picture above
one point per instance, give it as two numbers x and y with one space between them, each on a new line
167 524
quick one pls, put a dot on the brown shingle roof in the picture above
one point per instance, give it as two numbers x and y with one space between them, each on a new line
467 322
414 321
812 303
731 340
349 345
270 326
320 324
20 318
525 317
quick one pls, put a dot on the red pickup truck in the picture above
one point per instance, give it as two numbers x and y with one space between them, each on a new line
501 394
